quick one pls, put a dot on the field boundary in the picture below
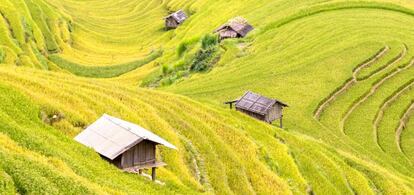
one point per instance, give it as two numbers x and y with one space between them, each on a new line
388 64
403 122
372 91
349 82
385 105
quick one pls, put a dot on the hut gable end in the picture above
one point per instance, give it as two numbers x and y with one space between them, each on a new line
175 19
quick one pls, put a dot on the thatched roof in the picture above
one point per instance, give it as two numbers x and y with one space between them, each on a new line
110 136
256 103
178 16
238 24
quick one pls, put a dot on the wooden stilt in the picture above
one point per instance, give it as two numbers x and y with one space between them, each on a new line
153 173
281 122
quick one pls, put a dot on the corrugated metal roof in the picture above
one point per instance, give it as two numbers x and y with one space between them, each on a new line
178 16
242 29
256 103
110 136
238 25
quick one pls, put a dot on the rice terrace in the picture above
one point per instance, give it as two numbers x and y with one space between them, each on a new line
188 97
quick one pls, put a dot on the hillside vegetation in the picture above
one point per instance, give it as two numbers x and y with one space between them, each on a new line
345 68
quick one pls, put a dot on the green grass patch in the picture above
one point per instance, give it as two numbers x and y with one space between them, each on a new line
192 59
102 71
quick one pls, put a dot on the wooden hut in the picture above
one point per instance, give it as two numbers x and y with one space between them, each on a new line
124 144
175 19
235 28
260 107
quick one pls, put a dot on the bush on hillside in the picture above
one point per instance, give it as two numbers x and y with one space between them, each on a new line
208 41
181 49
203 58
195 55
186 45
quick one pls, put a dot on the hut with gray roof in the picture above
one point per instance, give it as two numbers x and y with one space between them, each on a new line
126 145
175 19
260 107
236 28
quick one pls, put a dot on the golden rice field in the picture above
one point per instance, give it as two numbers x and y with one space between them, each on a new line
346 68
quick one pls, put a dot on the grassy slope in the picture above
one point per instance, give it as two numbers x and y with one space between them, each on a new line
304 78
316 54
252 154
300 54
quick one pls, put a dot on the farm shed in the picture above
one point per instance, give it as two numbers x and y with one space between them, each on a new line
235 28
260 107
175 19
124 144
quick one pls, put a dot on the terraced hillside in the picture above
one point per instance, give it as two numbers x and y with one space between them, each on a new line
345 68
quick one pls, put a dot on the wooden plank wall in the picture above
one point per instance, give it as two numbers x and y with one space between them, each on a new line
141 154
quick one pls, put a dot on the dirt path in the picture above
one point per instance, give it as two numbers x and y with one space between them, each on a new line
351 81
372 91
403 122
384 106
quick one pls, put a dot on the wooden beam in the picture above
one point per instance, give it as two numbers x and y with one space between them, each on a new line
231 103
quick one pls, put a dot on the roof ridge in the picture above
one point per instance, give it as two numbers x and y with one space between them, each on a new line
111 120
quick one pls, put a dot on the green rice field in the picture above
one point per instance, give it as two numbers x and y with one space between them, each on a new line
346 69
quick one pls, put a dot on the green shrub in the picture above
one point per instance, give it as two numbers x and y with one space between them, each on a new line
180 65
202 60
165 69
186 45
166 81
182 73
182 47
208 41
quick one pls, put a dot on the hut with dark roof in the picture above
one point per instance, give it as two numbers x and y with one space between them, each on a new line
124 144
260 107
236 28
175 19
